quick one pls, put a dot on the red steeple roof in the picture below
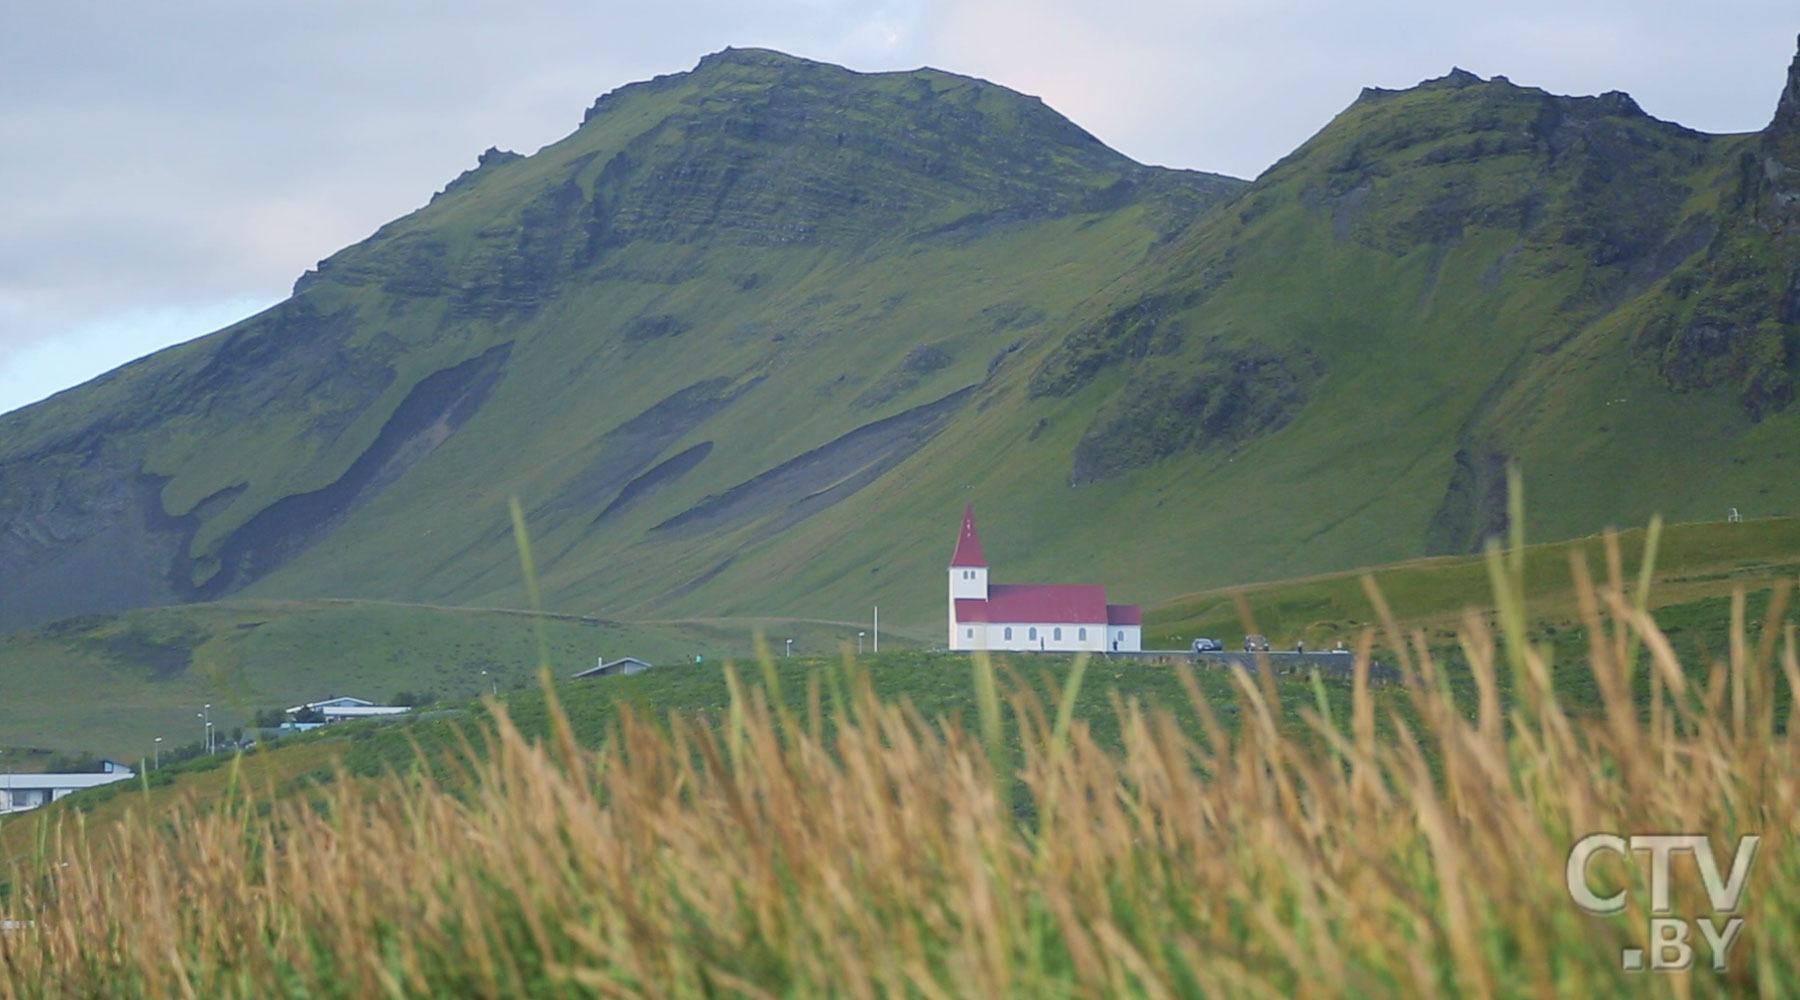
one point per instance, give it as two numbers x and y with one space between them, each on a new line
968 543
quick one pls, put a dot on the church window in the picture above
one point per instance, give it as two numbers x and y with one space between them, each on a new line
1057 635
1009 631
1081 634
968 633
1032 634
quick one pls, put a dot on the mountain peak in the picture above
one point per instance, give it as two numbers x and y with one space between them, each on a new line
732 56
1787 110
1456 79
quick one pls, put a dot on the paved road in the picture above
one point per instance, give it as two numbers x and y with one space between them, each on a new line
1327 661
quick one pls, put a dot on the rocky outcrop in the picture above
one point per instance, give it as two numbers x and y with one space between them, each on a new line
1729 319
1786 122
89 534
1238 392
1474 507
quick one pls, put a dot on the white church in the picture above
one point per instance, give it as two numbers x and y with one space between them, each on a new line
1032 616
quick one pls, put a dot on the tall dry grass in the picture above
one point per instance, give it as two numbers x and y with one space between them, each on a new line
863 851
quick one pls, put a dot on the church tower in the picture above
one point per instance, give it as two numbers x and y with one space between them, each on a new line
968 576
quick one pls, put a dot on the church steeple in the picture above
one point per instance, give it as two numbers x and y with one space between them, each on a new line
968 585
968 543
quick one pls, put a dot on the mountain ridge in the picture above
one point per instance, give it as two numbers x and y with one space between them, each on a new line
736 298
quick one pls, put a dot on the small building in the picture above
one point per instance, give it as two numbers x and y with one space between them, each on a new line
19 792
343 709
1051 618
621 667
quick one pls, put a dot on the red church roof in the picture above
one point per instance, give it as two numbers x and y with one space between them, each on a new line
1124 614
968 543
1078 604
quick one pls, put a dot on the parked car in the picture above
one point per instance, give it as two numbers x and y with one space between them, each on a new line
1256 644
1208 646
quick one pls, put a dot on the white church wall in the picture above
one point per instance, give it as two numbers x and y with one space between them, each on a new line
1045 637
968 583
1125 638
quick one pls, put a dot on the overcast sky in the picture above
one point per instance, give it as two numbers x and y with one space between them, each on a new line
171 167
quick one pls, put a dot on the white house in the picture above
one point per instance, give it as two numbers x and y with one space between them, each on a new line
1031 616
19 792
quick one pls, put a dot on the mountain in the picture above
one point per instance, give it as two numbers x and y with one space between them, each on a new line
746 340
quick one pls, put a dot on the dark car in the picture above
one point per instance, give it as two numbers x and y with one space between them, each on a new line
1256 644
1208 646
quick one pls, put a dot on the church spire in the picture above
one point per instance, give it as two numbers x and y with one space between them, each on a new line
968 543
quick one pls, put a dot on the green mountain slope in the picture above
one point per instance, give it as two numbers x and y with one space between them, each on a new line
746 340
734 297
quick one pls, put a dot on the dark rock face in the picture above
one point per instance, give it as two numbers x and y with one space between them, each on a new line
1730 319
1238 393
92 536
85 541
807 484
435 409
83 526
912 369
629 449
1770 176
1474 507
1787 110
1136 331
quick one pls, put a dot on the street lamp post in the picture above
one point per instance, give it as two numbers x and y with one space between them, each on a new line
859 639
493 681
790 648
156 761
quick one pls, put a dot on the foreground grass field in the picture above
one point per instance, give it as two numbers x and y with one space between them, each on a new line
1330 841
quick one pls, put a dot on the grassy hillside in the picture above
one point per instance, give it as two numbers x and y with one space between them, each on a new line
1694 562
746 340
110 684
